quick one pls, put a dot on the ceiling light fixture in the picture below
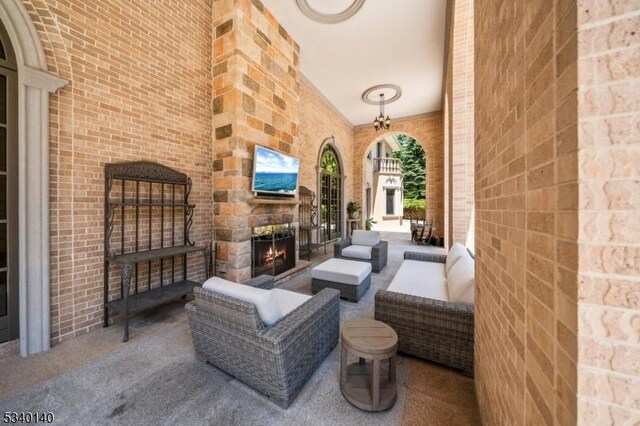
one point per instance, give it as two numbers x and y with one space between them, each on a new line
380 122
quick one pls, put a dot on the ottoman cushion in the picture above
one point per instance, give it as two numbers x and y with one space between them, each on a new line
342 271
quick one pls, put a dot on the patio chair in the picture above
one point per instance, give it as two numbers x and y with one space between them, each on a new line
365 246
276 358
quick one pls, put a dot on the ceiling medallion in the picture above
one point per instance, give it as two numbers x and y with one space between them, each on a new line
381 122
329 18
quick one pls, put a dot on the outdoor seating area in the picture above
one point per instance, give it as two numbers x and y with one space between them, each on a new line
218 351
307 212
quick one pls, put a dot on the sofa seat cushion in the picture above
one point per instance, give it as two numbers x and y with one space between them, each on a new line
264 300
365 238
456 251
342 271
461 278
357 252
289 300
423 279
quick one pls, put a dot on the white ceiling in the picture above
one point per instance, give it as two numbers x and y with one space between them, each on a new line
386 42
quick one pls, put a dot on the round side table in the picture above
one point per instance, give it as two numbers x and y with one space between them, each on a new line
361 382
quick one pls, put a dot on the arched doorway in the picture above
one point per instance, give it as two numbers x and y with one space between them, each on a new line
394 177
9 282
331 189
34 84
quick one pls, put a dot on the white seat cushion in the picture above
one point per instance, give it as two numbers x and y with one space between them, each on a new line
289 300
460 278
264 300
357 251
342 271
423 279
365 238
455 252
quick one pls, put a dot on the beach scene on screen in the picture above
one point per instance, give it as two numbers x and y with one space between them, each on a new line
275 172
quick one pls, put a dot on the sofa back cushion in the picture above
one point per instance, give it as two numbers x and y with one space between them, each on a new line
365 238
461 279
265 302
455 252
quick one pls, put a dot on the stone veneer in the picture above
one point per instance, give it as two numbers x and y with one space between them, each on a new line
428 131
256 87
608 55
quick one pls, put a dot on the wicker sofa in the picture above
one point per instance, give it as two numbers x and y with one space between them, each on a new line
275 359
366 246
429 303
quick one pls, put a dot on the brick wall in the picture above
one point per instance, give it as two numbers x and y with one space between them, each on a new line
428 131
460 132
319 122
609 232
139 88
526 211
256 89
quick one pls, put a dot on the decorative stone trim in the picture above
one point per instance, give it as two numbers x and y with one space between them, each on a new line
329 18
34 86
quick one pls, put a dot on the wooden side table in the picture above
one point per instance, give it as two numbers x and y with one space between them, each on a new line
361 382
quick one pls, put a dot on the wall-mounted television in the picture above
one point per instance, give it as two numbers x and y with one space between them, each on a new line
274 173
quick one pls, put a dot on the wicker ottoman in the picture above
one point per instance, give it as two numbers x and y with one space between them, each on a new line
350 277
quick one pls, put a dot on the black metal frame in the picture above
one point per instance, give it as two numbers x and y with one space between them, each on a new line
273 236
130 213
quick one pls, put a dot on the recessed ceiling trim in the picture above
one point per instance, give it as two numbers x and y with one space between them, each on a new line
329 18
367 93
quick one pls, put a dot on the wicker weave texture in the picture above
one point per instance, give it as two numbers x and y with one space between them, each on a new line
378 254
431 329
425 257
276 360
350 292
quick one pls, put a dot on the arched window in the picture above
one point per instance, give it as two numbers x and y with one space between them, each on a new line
330 176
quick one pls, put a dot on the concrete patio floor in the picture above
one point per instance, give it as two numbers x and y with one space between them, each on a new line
155 379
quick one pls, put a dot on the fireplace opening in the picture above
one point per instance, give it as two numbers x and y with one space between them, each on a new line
273 250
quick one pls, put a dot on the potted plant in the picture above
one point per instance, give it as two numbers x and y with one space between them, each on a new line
353 208
368 224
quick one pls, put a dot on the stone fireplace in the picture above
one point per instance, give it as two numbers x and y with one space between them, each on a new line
273 249
255 102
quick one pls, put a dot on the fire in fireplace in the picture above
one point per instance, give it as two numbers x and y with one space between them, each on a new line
273 250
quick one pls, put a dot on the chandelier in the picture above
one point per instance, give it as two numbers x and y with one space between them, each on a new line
380 122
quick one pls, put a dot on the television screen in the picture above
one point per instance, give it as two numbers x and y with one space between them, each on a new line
274 173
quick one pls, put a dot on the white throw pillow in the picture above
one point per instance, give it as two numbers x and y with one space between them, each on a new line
365 238
455 252
468 296
460 278
264 301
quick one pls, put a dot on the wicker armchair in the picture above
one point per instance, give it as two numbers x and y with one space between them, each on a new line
378 252
276 360
431 329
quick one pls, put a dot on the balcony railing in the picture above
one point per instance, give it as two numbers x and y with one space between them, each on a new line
387 165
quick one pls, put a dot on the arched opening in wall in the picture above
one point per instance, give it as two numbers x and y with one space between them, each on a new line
9 282
394 183
34 84
331 190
